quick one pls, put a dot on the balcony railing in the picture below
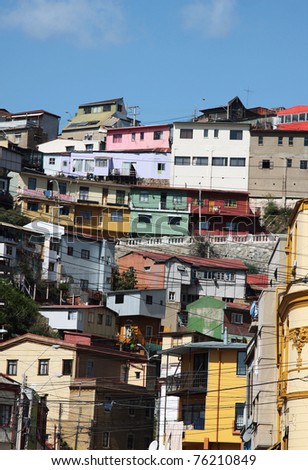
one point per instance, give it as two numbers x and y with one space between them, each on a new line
187 381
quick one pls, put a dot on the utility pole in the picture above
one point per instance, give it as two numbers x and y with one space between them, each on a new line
135 112
59 433
20 414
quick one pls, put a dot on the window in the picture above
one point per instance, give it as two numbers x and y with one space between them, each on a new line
85 215
144 196
171 296
106 440
85 254
11 367
239 416
144 218
205 133
158 135
54 245
200 161
193 415
32 206
70 148
32 183
120 197
289 162
303 164
84 284
70 251
241 366
149 299
72 315
43 368
62 188
117 138
9 250
260 140
161 167
216 133
133 136
306 141
67 366
5 414
219 161
236 134
280 140
291 141
237 318
119 298
186 133
84 193
177 199
266 164
108 320
230 203
237 161
91 317
89 147
52 161
89 368
116 216
107 107
101 162
17 138
51 267
64 210
149 331
100 318
147 268
141 135
131 411
174 220
183 161
108 404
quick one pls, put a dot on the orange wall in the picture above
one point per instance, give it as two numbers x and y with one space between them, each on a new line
153 278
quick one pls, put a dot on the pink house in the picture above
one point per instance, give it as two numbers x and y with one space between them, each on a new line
140 138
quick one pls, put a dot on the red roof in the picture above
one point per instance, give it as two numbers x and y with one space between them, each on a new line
293 126
301 108
260 280
193 260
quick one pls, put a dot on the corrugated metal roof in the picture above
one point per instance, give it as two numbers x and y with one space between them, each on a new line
194 260
293 126
184 349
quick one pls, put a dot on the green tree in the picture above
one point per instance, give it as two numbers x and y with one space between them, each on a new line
125 280
19 314
13 216
275 218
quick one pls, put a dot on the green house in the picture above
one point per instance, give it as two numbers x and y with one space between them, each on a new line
158 211
206 315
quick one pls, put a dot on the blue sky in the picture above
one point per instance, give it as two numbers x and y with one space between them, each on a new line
168 57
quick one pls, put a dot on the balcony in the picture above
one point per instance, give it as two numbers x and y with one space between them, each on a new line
192 382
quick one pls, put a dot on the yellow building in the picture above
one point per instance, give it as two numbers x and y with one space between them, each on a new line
87 389
79 205
211 387
292 344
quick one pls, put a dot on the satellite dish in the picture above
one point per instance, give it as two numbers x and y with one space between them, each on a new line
247 435
153 445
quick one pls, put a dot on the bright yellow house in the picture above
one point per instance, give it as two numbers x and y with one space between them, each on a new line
80 205
292 342
212 389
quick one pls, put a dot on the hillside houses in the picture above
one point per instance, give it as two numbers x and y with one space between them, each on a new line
145 317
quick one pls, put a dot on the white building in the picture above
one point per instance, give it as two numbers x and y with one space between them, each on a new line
143 302
210 155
